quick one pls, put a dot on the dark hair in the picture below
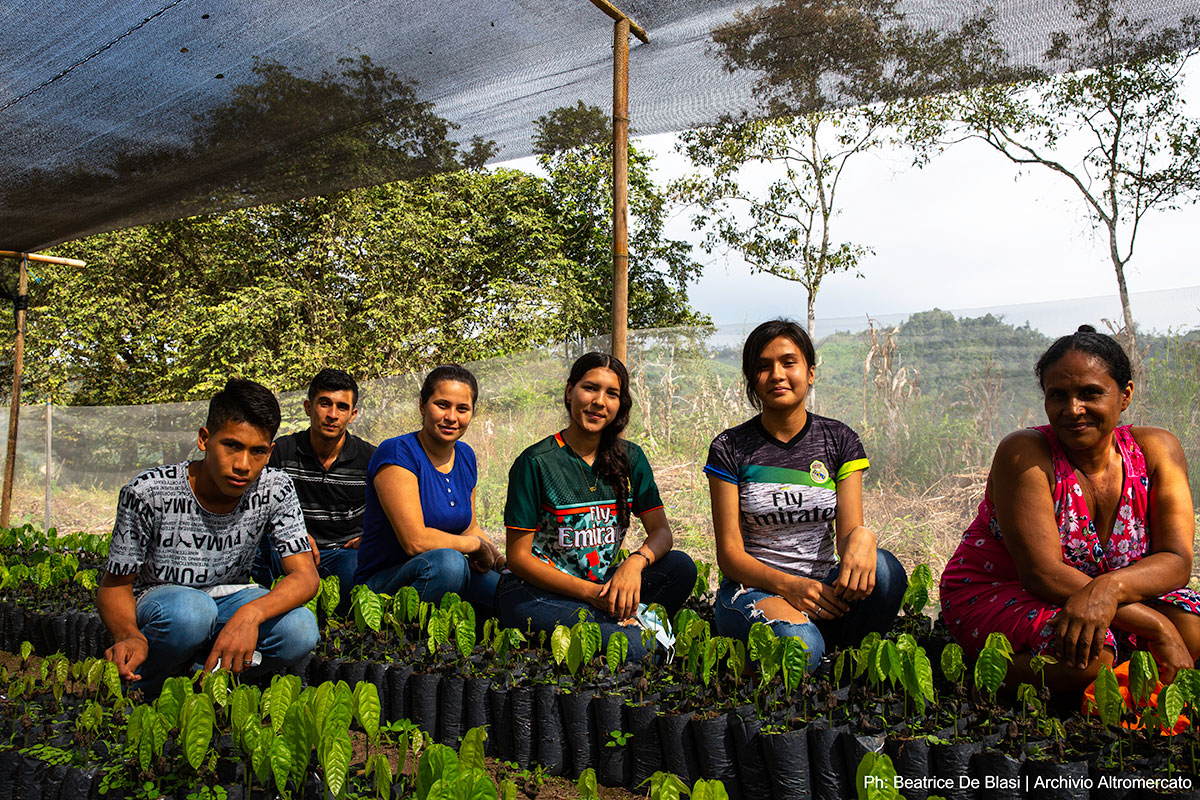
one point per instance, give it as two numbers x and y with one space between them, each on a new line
243 401
449 372
758 340
333 380
611 462
1087 340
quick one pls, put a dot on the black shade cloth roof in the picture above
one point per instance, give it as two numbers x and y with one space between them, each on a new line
123 112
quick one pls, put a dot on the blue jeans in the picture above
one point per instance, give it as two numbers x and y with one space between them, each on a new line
736 611
435 572
668 581
181 624
336 561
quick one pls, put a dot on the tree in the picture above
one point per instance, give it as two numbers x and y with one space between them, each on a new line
827 71
454 267
574 147
784 229
1112 125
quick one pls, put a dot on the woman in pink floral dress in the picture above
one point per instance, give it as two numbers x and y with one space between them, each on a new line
1084 535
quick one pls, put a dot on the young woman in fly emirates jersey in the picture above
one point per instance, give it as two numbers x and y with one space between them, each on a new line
570 499
786 490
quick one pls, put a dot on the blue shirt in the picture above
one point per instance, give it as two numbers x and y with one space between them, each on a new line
445 500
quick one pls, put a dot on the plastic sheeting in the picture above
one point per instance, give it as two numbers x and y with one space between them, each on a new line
124 112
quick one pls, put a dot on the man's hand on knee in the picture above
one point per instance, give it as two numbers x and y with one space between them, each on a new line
237 641
129 654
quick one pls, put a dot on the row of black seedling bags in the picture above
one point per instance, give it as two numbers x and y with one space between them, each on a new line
567 732
75 634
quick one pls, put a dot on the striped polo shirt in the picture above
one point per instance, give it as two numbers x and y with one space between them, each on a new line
333 500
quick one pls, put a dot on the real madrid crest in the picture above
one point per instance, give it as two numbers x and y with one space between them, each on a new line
818 472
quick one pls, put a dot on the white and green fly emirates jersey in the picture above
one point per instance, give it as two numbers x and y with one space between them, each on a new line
787 491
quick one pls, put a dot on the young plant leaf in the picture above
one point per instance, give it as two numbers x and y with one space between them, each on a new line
560 642
470 751
952 662
334 755
614 654
586 785
1143 677
367 707
1109 702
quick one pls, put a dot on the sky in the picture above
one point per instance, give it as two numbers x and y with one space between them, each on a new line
968 233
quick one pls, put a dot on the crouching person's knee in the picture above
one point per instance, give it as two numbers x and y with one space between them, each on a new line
289 637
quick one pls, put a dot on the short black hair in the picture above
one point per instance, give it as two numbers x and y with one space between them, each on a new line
1087 340
758 340
333 380
449 372
243 401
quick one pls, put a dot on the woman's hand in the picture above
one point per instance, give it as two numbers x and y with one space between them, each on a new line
856 576
818 600
1080 627
1170 652
484 557
621 594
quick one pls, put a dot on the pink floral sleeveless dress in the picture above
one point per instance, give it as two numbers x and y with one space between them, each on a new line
981 591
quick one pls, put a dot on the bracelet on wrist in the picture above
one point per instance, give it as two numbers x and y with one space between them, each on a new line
643 555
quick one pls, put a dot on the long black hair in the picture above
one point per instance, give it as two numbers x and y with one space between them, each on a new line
611 463
1087 340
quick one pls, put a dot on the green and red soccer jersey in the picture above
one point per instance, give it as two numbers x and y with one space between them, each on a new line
571 510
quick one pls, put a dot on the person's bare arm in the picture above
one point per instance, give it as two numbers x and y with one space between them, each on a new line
623 589
238 640
118 610
528 567
400 496
803 594
857 546
1021 477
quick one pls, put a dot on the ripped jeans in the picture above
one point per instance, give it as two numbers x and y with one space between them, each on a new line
736 610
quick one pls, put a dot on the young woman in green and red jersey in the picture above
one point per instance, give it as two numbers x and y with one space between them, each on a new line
570 501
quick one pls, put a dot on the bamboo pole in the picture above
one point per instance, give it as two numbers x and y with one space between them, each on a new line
620 301
66 262
10 459
49 454
617 15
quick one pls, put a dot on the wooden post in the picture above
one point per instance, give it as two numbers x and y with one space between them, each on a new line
620 303
14 415
49 454
10 459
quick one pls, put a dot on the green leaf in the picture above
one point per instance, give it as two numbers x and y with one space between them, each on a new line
998 641
615 652
438 762
560 643
112 679
586 784
574 653
589 633
341 711
367 708
281 764
298 735
1172 700
474 784
470 751
407 602
665 786
1143 677
952 662
709 662
1109 702
709 790
196 730
762 641
382 771
170 699
334 755
367 608
331 594
916 596
990 669
794 662
875 778
464 635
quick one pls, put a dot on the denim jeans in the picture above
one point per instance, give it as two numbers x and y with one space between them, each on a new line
181 624
340 562
435 572
736 611
668 581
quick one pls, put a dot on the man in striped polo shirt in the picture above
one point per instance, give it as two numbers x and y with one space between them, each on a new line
328 465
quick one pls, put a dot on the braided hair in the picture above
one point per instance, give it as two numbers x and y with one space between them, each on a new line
612 463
